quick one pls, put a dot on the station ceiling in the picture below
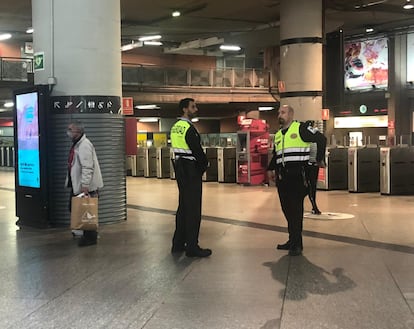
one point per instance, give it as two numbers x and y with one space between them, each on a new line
249 23
253 25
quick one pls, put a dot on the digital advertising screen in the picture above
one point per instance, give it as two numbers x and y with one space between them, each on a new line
28 157
366 64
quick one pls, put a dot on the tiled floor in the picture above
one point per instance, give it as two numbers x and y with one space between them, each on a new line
355 273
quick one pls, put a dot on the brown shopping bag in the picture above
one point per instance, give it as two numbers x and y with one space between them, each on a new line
84 214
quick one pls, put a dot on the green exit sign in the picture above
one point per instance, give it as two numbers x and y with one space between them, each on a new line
39 61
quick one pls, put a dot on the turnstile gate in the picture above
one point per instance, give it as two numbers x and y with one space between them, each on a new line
397 170
364 169
226 164
335 175
163 162
211 175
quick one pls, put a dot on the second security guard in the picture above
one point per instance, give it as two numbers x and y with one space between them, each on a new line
190 162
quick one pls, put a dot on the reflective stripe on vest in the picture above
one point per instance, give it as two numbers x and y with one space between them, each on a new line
178 143
290 147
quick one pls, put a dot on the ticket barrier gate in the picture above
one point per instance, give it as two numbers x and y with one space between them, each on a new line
150 156
131 165
163 162
8 156
364 169
397 170
172 170
335 175
211 174
226 164
140 162
2 156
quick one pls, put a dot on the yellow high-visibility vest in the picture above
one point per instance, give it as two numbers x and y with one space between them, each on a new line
290 147
178 143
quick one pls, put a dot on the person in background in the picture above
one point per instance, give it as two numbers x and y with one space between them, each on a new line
287 169
312 171
190 162
83 174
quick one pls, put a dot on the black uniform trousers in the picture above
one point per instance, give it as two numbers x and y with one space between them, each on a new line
312 173
292 191
188 216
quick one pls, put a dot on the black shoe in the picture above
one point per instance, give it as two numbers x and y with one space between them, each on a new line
316 212
285 246
86 242
177 249
198 252
295 251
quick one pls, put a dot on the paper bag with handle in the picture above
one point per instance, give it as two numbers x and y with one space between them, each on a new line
84 213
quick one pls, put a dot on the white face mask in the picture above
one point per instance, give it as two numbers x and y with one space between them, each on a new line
69 133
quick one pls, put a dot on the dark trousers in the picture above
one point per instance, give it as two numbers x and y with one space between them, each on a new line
188 217
312 173
292 191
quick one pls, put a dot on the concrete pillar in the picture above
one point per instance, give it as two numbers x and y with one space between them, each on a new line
80 42
301 39
399 116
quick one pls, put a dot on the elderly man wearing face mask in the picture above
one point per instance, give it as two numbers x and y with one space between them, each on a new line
83 174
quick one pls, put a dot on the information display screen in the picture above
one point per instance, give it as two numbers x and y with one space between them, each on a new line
28 157
366 64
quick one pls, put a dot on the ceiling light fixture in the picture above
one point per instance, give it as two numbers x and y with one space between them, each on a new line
175 13
152 43
150 38
5 36
147 107
148 120
229 48
369 30
266 108
408 5
8 104
30 30
132 45
195 119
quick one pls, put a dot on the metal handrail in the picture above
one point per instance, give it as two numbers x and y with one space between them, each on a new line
173 76
15 68
18 69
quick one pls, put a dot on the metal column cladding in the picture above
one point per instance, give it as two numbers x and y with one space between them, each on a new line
301 42
107 132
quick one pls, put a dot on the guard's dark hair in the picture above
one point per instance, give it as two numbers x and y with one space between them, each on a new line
184 103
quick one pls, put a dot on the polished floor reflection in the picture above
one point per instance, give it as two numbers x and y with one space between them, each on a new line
356 271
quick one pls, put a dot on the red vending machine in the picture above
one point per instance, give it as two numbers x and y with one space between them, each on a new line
252 152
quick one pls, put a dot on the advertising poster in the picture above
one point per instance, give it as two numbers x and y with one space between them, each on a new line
410 57
366 64
28 161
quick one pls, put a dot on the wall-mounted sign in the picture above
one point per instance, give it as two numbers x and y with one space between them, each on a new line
86 104
366 64
361 122
39 61
127 106
325 114
28 47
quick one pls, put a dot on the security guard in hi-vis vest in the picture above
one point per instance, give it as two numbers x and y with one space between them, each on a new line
287 169
190 162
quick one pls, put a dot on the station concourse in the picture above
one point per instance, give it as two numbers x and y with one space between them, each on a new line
354 273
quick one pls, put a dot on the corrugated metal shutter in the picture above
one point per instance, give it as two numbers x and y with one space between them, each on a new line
107 133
